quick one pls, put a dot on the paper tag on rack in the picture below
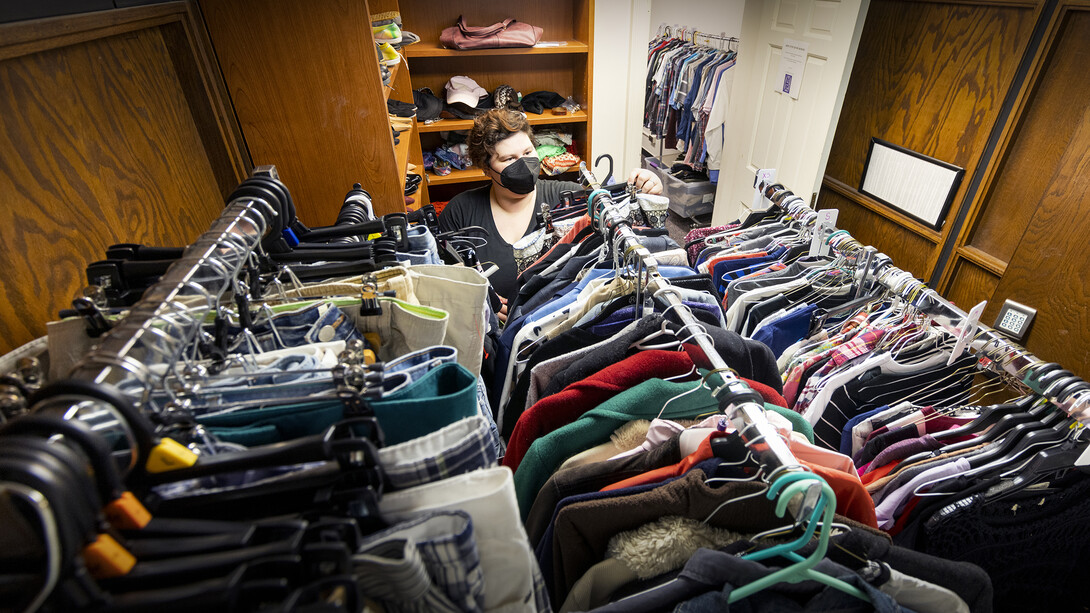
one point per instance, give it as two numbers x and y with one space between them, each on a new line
765 176
966 332
825 225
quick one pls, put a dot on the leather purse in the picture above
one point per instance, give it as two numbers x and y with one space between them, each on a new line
507 33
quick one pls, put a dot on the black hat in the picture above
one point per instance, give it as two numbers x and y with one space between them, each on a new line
428 105
537 102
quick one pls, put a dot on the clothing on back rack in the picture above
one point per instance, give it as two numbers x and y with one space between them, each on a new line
685 102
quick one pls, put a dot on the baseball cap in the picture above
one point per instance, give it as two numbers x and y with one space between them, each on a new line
465 91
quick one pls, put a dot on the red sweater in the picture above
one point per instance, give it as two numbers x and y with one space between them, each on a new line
569 404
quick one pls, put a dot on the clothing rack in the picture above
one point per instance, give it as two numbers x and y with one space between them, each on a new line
722 36
1067 391
738 401
117 374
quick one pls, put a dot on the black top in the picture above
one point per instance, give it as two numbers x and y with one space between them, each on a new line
472 208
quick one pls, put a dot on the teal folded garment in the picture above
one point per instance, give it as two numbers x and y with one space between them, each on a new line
441 397
267 425
444 395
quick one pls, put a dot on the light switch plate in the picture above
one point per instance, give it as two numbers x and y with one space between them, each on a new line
1014 320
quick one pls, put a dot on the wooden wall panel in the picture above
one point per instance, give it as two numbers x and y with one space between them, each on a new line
971 285
930 77
98 145
304 80
1041 139
1048 268
871 229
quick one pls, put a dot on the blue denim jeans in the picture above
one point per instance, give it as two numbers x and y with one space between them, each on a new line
319 322
422 247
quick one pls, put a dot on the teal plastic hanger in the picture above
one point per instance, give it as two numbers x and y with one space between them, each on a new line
802 570
796 483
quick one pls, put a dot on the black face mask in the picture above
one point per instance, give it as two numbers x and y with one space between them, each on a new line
520 176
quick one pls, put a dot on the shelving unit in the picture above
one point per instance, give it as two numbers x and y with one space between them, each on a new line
308 94
535 119
435 49
388 89
401 152
469 175
566 68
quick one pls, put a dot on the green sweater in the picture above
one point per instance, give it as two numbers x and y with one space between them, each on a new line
643 401
798 422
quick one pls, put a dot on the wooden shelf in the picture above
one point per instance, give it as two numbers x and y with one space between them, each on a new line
401 153
534 119
435 49
386 89
457 176
470 175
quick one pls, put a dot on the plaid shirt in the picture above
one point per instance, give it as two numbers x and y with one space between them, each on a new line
461 447
803 361
861 344
429 563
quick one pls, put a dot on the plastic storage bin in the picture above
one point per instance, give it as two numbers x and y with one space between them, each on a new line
686 199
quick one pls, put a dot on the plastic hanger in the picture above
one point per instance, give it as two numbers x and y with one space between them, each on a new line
803 568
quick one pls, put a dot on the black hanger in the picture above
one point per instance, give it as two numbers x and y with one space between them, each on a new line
337 443
1007 418
137 252
988 416
145 440
1048 463
1023 439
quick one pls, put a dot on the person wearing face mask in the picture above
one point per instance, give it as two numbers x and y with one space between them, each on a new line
501 144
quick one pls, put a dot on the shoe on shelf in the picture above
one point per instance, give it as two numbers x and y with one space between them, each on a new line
389 55
407 38
400 109
384 18
386 76
388 33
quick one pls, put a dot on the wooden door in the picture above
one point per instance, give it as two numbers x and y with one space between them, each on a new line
1028 240
769 129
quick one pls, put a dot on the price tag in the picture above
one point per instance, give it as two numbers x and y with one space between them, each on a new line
823 227
765 177
965 334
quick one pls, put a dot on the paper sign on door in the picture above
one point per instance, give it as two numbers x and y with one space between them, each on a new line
792 62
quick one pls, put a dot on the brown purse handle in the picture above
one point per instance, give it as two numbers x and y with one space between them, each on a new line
482 31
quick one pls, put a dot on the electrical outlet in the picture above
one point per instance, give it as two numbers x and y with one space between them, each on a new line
1014 320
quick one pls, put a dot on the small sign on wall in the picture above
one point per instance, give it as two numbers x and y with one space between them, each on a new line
914 184
792 63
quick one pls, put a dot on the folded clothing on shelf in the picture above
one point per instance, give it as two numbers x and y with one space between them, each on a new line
537 102
560 163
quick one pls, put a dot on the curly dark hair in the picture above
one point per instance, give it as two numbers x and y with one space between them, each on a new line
489 129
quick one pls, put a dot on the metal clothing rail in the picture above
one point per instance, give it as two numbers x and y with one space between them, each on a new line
1064 389
741 404
160 327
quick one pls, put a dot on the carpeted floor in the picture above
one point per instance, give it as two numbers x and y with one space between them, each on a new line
679 226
